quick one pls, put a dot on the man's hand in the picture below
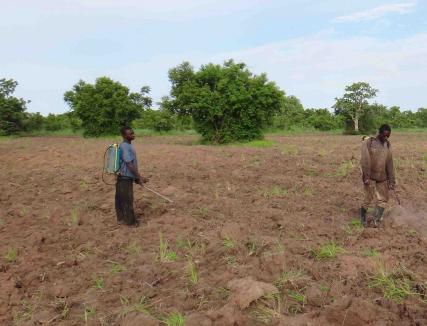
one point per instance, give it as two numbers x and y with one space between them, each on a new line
141 180
144 179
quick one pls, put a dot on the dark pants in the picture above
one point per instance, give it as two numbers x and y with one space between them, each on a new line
124 201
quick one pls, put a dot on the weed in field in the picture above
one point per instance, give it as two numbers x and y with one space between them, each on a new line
74 218
308 192
370 253
174 319
62 309
194 247
255 161
24 211
297 296
230 260
395 285
228 242
275 191
267 309
344 169
195 164
24 313
289 150
83 185
193 276
183 243
11 255
98 282
223 293
289 278
133 248
203 212
355 225
295 302
89 312
116 268
322 152
311 172
327 251
142 306
1 222
165 255
412 232
252 248
278 249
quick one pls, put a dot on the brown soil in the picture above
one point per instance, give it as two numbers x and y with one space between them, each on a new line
247 219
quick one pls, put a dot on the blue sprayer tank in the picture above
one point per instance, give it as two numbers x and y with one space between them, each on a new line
112 159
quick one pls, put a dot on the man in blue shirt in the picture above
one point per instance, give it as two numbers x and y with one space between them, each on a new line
128 174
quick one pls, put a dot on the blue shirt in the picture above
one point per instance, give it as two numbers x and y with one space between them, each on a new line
127 155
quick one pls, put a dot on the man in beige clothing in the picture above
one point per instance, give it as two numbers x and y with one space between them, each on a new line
377 173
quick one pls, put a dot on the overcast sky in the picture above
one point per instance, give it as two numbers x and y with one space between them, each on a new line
311 49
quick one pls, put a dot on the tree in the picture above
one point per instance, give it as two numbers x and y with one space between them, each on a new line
321 119
34 121
422 117
355 102
227 102
12 109
105 106
291 114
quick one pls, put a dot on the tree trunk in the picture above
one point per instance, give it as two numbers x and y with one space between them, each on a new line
356 124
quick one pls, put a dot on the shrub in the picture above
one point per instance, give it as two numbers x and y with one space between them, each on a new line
227 102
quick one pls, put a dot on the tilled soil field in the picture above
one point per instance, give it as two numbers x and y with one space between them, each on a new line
256 236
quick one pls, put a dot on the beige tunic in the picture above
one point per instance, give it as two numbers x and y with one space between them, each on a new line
377 161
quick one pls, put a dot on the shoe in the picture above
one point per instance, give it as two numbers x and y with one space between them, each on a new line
363 216
378 216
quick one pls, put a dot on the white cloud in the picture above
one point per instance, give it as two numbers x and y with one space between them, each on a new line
316 69
375 13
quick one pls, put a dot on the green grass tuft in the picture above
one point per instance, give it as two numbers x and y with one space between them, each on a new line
165 255
193 276
11 255
370 253
327 251
174 319
228 242
395 285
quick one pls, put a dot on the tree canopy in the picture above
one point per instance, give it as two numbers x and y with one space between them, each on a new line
355 102
106 106
12 109
227 102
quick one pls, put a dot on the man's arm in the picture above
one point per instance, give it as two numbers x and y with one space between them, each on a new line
132 168
365 162
389 167
128 159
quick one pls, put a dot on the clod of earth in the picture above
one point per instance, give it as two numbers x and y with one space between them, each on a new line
246 290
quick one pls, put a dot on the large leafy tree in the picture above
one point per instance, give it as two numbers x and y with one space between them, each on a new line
106 106
355 102
227 102
12 109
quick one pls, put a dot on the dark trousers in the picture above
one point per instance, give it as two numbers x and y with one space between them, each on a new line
124 201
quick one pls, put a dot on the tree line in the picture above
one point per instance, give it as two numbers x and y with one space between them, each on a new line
223 103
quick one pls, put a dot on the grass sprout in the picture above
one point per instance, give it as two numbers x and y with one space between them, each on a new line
174 319
11 255
165 255
228 242
328 251
193 276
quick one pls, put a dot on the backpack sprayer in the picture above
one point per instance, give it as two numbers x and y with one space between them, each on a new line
112 166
